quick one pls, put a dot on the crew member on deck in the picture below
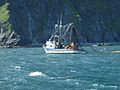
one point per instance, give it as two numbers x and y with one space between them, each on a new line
72 45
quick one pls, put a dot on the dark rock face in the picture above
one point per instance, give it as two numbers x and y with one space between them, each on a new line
2 37
10 40
95 20
13 39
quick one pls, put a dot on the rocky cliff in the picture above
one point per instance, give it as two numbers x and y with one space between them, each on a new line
96 20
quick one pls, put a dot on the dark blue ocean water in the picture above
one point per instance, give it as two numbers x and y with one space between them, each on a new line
32 69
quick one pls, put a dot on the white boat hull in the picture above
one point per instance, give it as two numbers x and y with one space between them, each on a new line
62 51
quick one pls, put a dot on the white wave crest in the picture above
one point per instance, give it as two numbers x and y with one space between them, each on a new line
37 74
104 86
18 68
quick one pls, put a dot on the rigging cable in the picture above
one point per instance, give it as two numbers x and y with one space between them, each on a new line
77 34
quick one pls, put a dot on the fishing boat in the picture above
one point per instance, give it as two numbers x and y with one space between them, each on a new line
63 40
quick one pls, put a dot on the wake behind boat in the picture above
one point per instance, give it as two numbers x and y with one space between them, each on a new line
59 43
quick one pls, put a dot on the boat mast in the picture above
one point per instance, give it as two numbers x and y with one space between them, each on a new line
71 38
60 26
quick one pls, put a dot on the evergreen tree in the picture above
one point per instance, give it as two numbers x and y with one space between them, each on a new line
4 19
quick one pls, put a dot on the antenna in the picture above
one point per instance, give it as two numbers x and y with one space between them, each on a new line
61 18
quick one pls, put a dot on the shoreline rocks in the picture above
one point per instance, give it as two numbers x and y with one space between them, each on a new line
9 40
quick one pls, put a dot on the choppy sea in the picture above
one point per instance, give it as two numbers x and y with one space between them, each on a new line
32 69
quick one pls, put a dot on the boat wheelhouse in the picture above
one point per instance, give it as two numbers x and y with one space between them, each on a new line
63 40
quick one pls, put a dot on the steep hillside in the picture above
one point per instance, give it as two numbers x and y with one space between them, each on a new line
96 20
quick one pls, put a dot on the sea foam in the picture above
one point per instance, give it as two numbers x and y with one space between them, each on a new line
104 86
37 74
18 68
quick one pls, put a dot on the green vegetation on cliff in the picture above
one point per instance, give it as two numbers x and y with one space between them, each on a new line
4 19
